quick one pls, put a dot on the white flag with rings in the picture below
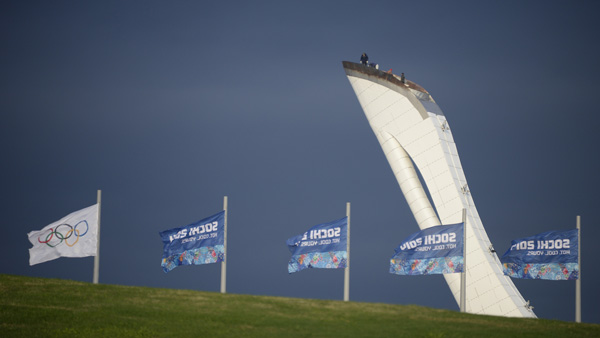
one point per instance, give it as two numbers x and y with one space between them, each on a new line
74 235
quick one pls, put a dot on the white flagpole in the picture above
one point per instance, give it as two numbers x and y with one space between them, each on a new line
97 257
578 281
463 275
347 269
224 262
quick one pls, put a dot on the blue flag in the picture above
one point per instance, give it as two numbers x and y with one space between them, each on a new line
322 246
435 250
550 255
197 243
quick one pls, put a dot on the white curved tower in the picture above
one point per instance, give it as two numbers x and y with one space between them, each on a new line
411 128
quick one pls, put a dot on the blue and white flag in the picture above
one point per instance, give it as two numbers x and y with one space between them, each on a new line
550 255
435 250
322 246
197 243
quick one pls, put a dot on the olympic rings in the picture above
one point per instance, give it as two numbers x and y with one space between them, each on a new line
59 237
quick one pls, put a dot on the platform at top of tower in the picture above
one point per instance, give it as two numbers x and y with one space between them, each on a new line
387 76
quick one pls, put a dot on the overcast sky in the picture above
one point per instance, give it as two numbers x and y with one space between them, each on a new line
169 106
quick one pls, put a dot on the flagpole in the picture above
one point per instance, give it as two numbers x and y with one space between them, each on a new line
224 262
578 281
97 257
347 269
463 275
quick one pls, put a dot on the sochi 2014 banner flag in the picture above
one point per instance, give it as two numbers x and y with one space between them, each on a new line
198 243
550 255
322 246
74 235
435 250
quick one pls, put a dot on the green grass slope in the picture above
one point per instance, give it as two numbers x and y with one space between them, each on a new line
40 307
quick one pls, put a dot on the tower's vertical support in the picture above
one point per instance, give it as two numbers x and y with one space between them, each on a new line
411 128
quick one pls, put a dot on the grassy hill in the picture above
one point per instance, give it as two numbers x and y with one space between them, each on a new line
34 307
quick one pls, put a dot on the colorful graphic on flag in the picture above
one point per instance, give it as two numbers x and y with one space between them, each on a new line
198 243
74 235
435 250
322 246
550 255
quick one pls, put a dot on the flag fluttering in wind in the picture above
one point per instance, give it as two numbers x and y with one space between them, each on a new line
322 246
435 250
551 255
198 243
74 235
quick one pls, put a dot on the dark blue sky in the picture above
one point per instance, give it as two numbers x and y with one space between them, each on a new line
168 106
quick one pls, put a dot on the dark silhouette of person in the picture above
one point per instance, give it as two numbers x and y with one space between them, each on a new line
364 59
402 78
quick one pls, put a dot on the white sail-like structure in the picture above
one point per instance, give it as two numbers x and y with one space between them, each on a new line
415 135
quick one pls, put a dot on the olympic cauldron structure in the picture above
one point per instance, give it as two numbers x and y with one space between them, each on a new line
411 128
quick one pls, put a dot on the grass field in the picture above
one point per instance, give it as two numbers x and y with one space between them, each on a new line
40 307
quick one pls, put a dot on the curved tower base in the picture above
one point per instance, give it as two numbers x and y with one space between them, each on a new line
411 128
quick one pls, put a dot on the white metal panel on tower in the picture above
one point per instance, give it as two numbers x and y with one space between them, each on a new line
411 128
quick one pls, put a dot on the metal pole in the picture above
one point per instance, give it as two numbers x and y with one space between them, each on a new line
97 257
224 262
463 275
347 269
578 281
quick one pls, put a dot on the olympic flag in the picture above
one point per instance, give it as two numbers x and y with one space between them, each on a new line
435 250
322 246
551 255
201 242
74 235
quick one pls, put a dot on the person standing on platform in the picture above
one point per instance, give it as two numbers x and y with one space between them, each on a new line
364 59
